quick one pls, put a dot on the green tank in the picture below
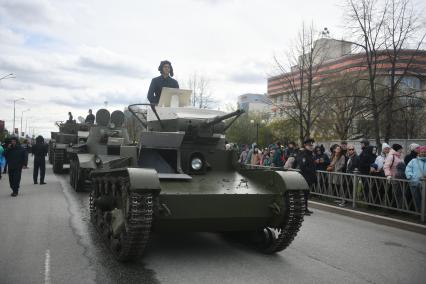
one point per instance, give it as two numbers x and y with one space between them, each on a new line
70 133
103 143
180 177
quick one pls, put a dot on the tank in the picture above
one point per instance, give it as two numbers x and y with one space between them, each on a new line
103 143
180 178
70 133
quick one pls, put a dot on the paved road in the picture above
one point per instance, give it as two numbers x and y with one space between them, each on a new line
45 237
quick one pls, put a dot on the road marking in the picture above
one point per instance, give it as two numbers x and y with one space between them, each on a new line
47 267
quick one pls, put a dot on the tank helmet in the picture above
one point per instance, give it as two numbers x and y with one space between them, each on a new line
164 62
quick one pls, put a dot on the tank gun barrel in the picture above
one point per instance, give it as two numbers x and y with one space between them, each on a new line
218 119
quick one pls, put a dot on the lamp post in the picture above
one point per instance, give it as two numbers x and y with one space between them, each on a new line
14 102
22 115
257 128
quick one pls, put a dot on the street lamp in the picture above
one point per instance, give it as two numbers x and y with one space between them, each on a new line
257 128
14 102
22 115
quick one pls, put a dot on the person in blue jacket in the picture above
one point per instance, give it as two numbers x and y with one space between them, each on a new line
415 172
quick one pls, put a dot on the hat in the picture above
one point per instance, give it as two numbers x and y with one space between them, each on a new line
385 145
413 146
396 147
309 141
421 148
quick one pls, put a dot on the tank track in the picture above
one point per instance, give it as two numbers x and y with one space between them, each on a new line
279 238
138 209
58 161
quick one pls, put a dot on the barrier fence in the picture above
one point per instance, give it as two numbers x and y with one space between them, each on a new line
399 195
394 194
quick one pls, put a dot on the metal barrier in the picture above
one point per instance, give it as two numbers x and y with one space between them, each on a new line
394 194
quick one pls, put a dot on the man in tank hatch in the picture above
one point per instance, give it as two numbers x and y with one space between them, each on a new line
164 80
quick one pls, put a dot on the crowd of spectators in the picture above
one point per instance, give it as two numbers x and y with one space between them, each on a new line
343 158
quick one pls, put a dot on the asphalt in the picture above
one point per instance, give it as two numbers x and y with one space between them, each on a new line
46 237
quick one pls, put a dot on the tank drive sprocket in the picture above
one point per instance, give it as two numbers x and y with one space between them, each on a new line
111 200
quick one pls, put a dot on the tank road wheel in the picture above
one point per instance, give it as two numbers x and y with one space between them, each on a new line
274 239
58 161
121 216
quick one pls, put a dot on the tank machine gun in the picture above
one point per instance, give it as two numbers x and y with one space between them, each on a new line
180 177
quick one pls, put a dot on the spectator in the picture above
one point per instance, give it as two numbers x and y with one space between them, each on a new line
344 147
366 157
380 161
277 159
305 162
243 155
291 150
352 162
17 160
2 160
321 160
266 159
413 153
337 165
392 160
256 157
39 151
250 153
415 171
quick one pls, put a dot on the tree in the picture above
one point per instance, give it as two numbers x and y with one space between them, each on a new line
400 28
367 24
303 95
345 104
201 95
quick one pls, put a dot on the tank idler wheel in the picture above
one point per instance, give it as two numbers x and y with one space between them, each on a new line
129 240
274 239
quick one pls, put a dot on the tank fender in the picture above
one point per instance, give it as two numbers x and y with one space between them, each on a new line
290 180
144 180
86 161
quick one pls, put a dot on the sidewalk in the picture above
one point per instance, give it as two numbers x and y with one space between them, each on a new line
369 216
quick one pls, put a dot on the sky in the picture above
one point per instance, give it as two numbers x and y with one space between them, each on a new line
76 55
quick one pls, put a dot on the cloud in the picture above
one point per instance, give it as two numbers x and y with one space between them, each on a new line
26 12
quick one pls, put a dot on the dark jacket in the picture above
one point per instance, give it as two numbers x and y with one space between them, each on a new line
321 166
39 150
366 158
305 162
409 157
90 118
352 163
16 157
157 85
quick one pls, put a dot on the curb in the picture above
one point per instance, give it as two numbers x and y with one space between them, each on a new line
382 220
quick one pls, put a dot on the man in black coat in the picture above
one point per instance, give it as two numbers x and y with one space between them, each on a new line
367 157
17 160
39 151
164 80
90 118
305 162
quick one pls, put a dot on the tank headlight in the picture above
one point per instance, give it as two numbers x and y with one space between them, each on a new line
71 144
98 161
196 164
